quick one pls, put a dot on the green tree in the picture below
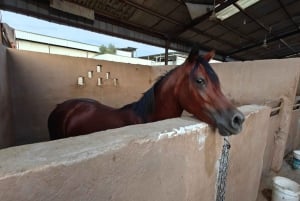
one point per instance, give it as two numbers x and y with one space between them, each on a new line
110 49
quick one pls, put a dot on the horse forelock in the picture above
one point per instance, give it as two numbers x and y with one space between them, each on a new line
208 69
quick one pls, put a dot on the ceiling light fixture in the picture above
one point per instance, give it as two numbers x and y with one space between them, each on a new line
231 10
265 45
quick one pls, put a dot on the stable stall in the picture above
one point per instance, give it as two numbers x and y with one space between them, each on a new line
176 159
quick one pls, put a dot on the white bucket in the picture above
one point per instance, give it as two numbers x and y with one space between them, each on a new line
285 189
296 159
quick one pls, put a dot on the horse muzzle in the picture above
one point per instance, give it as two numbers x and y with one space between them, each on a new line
229 122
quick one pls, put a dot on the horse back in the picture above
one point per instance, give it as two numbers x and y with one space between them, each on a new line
82 116
70 112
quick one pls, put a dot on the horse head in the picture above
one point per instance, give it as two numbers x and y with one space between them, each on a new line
203 96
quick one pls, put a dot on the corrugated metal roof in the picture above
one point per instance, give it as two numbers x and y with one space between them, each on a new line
268 29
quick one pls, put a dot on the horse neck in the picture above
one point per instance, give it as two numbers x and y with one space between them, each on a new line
166 100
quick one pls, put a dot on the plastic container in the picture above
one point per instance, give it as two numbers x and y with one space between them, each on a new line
285 189
296 159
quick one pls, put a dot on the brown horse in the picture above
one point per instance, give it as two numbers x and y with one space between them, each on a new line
193 86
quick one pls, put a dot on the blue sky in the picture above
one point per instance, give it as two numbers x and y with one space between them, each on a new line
34 25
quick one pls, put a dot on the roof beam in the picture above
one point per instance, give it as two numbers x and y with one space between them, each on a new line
214 37
263 26
151 12
102 24
297 54
288 14
237 33
159 21
144 9
270 40
202 18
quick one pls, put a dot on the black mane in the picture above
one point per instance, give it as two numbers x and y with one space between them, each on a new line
146 104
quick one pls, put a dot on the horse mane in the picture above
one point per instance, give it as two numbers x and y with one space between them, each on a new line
146 104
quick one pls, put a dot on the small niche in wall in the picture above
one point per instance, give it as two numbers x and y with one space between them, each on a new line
116 82
80 81
99 68
108 75
90 74
100 81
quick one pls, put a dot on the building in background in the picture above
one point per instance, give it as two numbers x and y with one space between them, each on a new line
174 58
52 45
46 44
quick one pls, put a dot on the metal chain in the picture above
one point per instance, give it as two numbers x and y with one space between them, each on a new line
222 174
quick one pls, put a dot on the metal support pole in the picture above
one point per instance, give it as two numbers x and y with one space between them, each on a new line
167 51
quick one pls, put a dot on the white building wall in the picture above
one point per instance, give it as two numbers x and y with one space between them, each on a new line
180 60
123 59
69 52
31 46
52 49
45 44
37 38
124 53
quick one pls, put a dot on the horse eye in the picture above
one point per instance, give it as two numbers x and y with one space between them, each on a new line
200 81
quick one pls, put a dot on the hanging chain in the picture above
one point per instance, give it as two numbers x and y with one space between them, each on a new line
222 174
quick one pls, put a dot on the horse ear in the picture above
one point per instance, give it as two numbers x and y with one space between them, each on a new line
194 53
210 55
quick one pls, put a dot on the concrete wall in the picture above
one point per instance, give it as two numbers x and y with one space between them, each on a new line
40 81
259 81
138 163
6 132
264 82
270 144
293 141
39 84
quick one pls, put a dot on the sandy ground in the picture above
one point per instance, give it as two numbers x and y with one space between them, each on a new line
265 192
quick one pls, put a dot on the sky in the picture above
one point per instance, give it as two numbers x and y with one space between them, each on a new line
34 25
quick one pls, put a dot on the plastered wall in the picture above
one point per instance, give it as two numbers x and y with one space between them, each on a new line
265 82
40 81
171 160
259 81
6 133
262 82
270 144
293 141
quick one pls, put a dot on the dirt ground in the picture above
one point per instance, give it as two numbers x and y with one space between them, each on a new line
265 192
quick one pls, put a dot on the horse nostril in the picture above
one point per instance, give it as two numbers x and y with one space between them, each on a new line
237 120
